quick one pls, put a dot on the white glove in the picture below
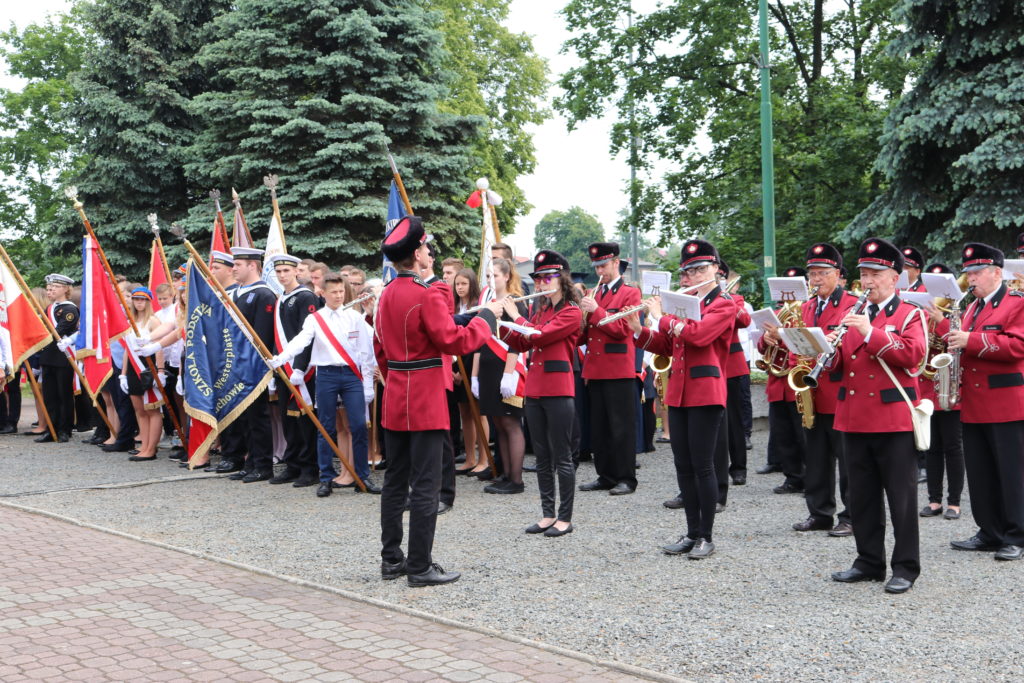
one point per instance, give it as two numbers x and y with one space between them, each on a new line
368 397
272 385
474 386
162 376
123 381
37 372
66 343
275 362
297 377
148 349
179 386
509 380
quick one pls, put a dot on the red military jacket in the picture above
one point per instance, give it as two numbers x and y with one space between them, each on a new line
610 350
699 352
736 364
917 286
776 388
413 332
446 358
837 306
992 388
929 387
868 400
549 371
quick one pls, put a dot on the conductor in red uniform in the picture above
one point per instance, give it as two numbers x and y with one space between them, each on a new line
876 421
414 329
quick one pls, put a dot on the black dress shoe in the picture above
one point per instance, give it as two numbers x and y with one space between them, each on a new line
719 508
1009 552
680 547
286 477
595 485
853 575
898 584
746 443
783 489
768 469
305 481
554 531
703 548
238 476
443 507
134 451
254 477
324 489
45 438
485 475
8 429
842 529
389 571
812 524
526 468
537 528
460 458
434 576
371 487
92 440
227 467
63 438
975 542
621 489
464 472
381 466
505 487
674 503
929 511
114 448
739 480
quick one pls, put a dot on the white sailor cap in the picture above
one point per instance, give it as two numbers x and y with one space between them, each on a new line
286 259
247 254
222 258
58 279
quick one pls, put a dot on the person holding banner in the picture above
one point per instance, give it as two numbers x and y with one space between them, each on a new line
57 374
137 382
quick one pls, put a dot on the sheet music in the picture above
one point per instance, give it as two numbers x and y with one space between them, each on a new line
788 289
654 282
805 341
764 316
681 305
942 285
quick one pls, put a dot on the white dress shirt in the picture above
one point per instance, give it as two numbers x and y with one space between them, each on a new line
351 331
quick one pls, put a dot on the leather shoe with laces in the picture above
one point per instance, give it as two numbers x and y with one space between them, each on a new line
739 480
238 476
286 477
674 503
45 438
443 507
324 489
434 576
1009 552
842 529
680 547
898 584
975 542
854 575
812 524
389 571
254 477
371 486
595 485
225 466
783 489
620 489
703 548
306 480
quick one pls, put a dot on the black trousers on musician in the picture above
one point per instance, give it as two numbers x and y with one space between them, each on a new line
299 434
883 464
946 455
722 457
824 453
995 475
414 471
59 396
734 410
613 430
551 420
10 401
447 493
694 442
786 434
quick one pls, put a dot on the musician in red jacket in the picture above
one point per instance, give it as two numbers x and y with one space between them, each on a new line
991 346
824 445
732 439
913 262
696 391
550 385
876 421
413 330
609 373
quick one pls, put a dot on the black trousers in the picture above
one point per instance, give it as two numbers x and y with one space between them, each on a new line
746 407
884 464
128 426
551 420
414 470
613 430
249 439
786 434
736 430
85 412
824 452
59 396
992 452
581 432
694 441
722 458
10 401
945 455
299 434
447 493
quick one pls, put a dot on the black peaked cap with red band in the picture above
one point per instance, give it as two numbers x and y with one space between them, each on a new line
794 272
976 256
406 237
912 257
548 262
938 268
602 252
723 268
879 254
1020 243
697 253
824 255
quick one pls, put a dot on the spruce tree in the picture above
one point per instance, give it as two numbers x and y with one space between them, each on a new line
133 113
951 153
313 90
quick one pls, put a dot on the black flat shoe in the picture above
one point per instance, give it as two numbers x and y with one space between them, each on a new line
951 514
44 438
976 543
554 531
324 489
136 458
929 511
464 472
537 528
854 575
898 584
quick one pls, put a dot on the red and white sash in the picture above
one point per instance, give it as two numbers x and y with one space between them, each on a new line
337 345
501 350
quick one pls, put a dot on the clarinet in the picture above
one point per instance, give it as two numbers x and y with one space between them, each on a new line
824 359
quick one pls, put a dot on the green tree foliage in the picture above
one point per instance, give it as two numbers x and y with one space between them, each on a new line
36 151
687 75
953 150
497 76
569 233
313 91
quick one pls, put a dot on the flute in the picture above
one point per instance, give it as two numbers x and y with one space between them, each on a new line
514 299
356 302
618 315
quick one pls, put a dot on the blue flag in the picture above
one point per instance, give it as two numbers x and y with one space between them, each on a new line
223 371
396 212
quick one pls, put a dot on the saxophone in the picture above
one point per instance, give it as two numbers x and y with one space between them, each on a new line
948 371
795 379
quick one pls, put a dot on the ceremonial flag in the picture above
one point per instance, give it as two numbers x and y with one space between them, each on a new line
101 319
275 246
22 330
240 236
157 272
222 371
484 198
219 241
396 212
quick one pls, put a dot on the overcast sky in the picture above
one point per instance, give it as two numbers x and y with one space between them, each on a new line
572 168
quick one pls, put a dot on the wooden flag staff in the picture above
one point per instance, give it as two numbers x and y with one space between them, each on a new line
197 261
159 245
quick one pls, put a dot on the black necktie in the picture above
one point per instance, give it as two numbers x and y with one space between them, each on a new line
818 310
977 312
604 290
872 311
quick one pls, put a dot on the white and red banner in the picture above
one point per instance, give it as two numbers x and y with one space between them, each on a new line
102 320
23 332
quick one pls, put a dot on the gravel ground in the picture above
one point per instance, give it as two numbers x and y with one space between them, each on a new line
762 607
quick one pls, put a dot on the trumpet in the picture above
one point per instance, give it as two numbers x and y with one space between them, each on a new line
514 299
356 302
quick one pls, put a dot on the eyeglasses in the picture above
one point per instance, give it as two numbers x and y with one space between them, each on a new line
545 278
696 270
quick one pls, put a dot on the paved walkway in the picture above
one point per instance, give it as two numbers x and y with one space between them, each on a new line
79 604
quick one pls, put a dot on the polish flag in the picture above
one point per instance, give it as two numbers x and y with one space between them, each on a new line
157 273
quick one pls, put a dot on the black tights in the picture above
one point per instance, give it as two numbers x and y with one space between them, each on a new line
511 445
694 442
